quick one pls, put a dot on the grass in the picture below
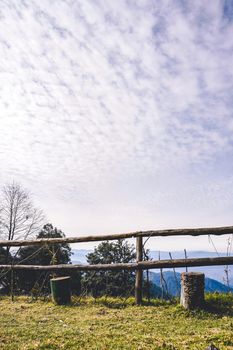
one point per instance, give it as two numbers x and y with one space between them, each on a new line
107 324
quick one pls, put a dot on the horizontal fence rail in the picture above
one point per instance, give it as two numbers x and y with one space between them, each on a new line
217 231
142 265
138 266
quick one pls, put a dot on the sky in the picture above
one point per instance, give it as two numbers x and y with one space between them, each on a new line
117 115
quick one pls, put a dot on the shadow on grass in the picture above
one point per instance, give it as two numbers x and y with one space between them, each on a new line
215 303
120 303
219 304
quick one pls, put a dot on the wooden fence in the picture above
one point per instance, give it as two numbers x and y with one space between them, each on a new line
139 265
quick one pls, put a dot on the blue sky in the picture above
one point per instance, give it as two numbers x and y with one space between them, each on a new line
117 115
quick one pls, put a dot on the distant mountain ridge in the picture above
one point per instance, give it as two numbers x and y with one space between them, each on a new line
172 283
215 273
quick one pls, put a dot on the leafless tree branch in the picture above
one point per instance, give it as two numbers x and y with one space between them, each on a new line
19 218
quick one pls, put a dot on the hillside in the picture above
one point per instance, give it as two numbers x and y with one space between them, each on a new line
173 283
106 325
214 274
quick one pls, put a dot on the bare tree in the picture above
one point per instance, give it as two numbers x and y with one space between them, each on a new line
18 220
18 216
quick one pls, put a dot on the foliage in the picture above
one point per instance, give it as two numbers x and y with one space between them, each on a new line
48 254
27 325
3 254
35 281
113 283
4 276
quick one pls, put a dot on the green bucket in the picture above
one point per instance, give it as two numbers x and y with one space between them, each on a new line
61 290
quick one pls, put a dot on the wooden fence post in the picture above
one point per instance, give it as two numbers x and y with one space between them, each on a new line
192 290
139 272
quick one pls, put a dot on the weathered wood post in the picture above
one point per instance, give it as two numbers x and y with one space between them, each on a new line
192 290
139 272
61 291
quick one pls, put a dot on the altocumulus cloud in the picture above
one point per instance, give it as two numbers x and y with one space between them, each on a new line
123 106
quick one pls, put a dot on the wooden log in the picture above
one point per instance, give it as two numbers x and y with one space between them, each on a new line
192 290
61 290
152 264
218 231
139 272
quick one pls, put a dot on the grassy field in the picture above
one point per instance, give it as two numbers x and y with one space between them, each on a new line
108 324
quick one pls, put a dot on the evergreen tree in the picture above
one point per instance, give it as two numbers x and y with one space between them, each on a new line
36 281
4 275
113 283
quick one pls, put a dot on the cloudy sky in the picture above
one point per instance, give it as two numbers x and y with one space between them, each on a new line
117 115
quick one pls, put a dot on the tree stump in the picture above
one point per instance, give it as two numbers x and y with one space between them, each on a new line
192 290
61 290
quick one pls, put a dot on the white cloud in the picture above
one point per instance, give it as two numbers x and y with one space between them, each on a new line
99 96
